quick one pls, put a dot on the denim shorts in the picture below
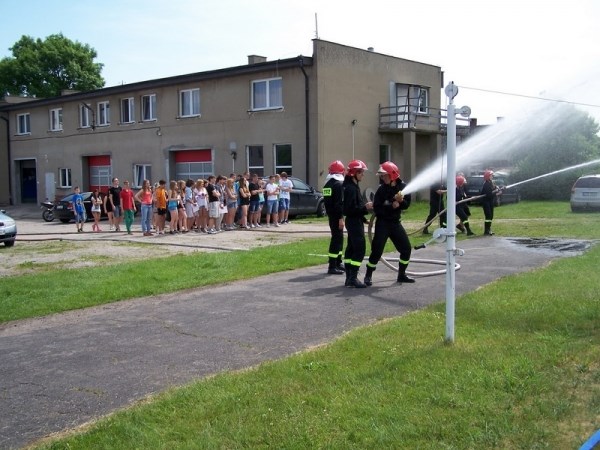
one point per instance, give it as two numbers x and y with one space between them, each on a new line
272 206
254 204
284 204
117 211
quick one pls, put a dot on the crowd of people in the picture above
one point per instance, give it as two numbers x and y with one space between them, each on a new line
210 205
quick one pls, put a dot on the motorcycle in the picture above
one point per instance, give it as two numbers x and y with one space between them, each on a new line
48 211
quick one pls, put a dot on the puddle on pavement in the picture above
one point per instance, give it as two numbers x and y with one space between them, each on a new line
569 247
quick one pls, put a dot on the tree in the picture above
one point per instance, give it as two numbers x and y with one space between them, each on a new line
573 140
44 68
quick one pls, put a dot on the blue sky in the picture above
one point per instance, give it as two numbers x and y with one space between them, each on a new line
526 47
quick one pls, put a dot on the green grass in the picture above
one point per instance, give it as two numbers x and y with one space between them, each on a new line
523 373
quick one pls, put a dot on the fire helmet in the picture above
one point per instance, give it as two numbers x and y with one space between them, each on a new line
488 174
389 168
460 181
356 165
336 167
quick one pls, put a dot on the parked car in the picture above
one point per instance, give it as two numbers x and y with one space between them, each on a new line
474 184
304 199
585 193
64 208
8 229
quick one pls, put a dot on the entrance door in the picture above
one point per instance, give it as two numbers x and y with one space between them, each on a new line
28 182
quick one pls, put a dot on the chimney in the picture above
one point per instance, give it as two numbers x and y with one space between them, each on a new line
255 59
371 49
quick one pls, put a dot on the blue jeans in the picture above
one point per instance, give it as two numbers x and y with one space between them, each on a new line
146 218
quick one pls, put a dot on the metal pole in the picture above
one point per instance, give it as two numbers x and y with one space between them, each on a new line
451 216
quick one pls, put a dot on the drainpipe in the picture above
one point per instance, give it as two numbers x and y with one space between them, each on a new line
307 121
9 166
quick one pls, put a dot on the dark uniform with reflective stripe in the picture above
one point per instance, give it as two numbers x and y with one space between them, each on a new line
388 225
489 191
333 193
355 212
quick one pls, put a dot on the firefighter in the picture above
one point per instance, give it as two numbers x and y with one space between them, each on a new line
333 192
436 206
462 209
355 210
489 191
388 204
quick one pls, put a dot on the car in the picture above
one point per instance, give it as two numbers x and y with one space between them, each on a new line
304 199
474 184
64 208
8 229
585 193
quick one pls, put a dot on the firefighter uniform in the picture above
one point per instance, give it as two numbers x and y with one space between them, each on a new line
333 194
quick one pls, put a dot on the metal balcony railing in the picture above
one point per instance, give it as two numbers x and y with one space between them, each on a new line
409 118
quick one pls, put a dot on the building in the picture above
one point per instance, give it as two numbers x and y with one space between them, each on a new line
294 115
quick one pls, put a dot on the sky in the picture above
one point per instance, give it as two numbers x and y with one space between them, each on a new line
499 52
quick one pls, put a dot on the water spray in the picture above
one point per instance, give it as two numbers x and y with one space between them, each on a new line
578 166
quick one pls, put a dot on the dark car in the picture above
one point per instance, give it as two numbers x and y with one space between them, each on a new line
8 229
475 183
304 199
64 208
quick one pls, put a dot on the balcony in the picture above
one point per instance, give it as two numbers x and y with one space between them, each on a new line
399 119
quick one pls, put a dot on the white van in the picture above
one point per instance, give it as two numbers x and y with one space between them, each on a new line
585 193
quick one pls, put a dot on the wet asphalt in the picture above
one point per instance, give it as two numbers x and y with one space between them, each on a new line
61 371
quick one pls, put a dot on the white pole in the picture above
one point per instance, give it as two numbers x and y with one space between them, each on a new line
451 91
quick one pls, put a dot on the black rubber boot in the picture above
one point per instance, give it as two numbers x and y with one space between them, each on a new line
469 232
426 230
461 227
347 268
339 264
368 275
402 277
488 229
354 281
333 269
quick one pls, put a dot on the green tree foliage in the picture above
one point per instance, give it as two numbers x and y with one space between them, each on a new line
43 68
572 140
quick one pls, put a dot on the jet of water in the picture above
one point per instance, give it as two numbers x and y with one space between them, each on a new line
578 166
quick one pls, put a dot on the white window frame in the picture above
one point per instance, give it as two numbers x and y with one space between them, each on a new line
127 110
148 107
103 114
56 119
100 176
189 102
282 167
272 91
64 177
256 164
423 101
141 172
23 123
84 116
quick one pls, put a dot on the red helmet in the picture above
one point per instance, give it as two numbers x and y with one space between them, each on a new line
488 174
356 165
460 180
389 168
336 167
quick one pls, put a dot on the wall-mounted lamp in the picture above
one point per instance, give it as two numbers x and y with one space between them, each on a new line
354 122
158 132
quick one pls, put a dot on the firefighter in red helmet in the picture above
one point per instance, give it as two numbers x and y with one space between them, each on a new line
388 204
355 210
333 194
462 209
489 191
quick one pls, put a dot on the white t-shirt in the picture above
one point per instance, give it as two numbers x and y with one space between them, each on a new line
285 186
272 191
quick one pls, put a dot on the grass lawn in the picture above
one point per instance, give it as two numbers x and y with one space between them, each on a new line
524 374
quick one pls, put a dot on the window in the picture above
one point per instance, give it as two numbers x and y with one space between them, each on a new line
283 158
23 124
141 172
267 94
255 159
127 112
64 177
189 103
384 153
423 101
56 119
100 176
193 170
103 115
149 107
84 116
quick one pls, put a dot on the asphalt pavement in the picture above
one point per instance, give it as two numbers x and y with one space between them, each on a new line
64 370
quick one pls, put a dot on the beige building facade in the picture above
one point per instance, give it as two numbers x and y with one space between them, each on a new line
294 115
